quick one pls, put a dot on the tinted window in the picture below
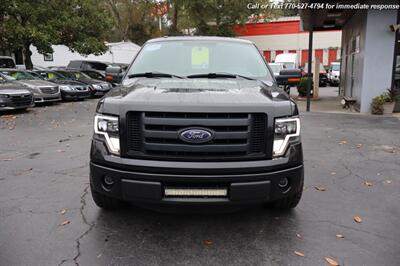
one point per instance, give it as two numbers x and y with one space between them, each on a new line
97 66
185 58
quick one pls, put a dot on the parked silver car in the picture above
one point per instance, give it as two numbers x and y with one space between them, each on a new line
14 95
43 91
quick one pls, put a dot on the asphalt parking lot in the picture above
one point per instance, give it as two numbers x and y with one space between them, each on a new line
47 216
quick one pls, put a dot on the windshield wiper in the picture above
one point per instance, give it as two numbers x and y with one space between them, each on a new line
218 75
154 75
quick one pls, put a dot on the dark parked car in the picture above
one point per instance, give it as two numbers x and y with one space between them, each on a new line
70 89
83 65
14 95
323 77
7 62
197 123
43 91
97 87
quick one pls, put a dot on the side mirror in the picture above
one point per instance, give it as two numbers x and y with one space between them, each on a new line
114 74
289 77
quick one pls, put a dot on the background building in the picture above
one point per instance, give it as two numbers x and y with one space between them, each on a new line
285 35
120 52
371 51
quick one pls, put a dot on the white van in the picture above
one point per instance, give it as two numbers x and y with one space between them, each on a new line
334 73
289 61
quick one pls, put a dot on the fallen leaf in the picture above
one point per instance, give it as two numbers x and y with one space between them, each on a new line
298 235
359 146
368 184
65 223
298 253
342 142
208 242
339 236
320 188
333 173
331 261
63 211
357 219
388 181
99 256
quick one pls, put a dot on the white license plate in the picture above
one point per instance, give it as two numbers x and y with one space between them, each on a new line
195 192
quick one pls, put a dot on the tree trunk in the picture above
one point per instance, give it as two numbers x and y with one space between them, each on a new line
174 26
27 55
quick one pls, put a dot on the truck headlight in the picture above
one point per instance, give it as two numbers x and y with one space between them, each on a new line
285 129
108 126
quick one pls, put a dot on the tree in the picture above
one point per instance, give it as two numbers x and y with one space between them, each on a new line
218 17
133 20
82 25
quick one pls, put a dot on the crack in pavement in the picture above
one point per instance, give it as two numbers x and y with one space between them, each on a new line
85 221
85 233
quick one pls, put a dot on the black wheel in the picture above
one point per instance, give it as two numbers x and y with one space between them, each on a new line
288 202
106 202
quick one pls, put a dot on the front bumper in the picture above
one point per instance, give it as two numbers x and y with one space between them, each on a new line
246 182
8 104
44 98
99 92
74 95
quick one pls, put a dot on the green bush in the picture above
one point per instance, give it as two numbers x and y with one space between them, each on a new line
377 104
302 87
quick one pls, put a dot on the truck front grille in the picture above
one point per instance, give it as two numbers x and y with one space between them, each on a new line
237 136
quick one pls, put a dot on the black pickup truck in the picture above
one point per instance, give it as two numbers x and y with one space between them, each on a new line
197 121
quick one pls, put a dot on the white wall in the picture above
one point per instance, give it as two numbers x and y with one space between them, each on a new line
123 52
379 55
372 67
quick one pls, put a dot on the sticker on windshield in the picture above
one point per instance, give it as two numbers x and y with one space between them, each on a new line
200 57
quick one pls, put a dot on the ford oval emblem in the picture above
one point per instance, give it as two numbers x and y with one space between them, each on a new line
196 135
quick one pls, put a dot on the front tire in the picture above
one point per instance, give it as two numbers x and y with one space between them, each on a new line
105 202
288 202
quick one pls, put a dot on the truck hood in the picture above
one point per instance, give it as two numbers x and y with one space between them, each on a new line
196 95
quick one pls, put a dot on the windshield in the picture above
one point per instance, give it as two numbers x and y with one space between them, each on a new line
184 58
20 75
94 75
335 67
50 75
80 75
74 75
